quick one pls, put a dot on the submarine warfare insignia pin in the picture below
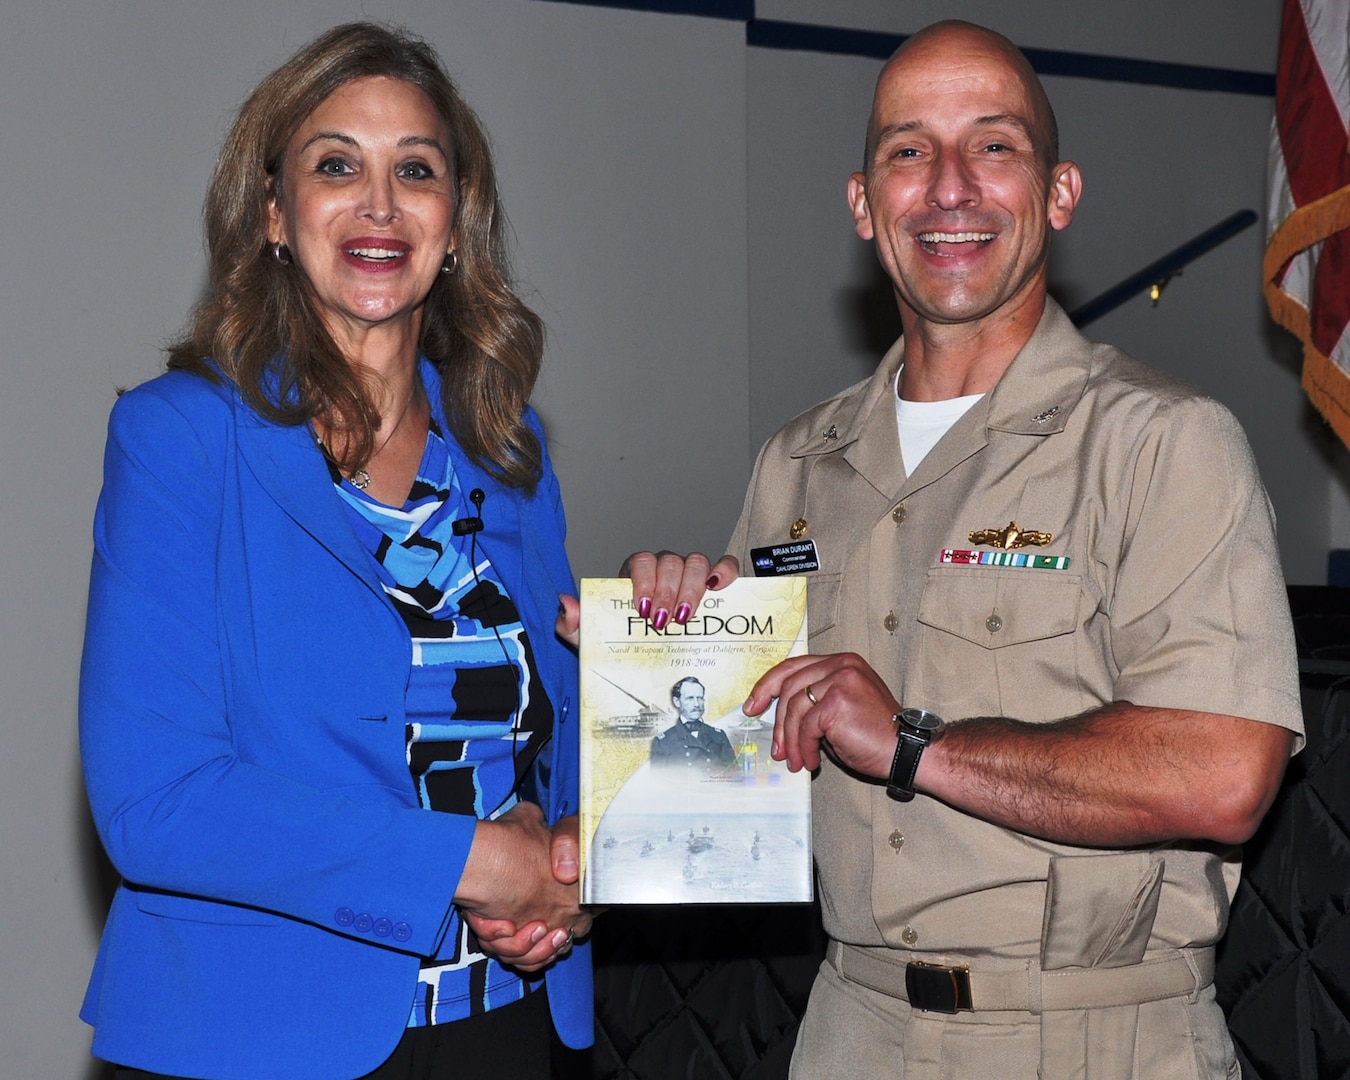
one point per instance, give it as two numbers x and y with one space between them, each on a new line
1010 537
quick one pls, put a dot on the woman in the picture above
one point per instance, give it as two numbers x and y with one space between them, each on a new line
321 693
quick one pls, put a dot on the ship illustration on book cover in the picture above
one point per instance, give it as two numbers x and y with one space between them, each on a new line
680 800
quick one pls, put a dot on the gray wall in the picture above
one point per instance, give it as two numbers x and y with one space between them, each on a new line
677 203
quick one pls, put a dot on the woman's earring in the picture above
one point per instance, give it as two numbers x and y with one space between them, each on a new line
282 254
450 263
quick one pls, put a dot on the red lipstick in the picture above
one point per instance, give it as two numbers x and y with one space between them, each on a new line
375 254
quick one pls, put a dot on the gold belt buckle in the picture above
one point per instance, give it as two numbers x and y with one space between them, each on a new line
938 987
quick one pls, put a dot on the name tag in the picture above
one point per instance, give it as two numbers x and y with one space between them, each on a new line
798 557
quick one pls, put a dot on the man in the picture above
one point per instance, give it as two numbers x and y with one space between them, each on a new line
689 741
1066 556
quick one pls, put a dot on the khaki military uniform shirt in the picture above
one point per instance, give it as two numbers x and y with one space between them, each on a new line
1172 597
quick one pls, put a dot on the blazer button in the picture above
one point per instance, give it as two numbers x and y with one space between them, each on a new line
898 514
896 840
993 624
402 931
890 622
344 916
362 923
383 928
910 936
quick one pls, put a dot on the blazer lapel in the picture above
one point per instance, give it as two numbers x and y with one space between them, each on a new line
290 468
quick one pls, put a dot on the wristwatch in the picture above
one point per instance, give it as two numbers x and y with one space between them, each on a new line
915 729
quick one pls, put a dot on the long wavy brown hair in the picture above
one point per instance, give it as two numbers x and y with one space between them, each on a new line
258 325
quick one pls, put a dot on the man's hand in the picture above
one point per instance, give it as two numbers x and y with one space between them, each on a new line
518 892
849 718
535 945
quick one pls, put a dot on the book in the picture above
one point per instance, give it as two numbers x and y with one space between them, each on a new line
681 801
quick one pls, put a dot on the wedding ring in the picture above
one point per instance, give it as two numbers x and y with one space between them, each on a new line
568 943
810 696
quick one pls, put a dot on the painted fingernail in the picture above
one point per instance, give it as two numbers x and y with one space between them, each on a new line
660 619
644 606
711 583
682 613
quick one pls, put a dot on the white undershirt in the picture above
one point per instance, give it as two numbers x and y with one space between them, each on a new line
922 423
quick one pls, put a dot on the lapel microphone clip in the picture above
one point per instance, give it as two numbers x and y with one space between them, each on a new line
465 526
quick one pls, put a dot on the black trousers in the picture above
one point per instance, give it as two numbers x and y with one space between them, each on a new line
512 1042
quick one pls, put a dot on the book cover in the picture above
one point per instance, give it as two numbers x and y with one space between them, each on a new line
680 800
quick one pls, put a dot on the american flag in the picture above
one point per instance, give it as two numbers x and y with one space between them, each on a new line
1307 262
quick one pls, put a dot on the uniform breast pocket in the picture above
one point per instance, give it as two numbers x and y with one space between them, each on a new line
999 642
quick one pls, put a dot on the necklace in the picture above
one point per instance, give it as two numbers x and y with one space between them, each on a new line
360 479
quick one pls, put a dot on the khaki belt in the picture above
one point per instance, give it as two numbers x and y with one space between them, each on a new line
1028 989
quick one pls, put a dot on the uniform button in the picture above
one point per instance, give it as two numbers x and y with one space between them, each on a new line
383 928
890 622
896 840
799 528
343 916
993 624
898 514
910 936
362 923
402 931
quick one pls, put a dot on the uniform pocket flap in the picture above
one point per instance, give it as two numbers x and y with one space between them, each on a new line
996 608
1099 909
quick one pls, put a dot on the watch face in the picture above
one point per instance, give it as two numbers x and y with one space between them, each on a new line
922 719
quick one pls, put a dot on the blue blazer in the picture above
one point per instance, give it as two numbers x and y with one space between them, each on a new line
242 732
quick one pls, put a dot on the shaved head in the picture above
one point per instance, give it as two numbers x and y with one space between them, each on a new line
961 189
967 39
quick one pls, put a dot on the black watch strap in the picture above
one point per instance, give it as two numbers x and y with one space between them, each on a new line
909 749
915 729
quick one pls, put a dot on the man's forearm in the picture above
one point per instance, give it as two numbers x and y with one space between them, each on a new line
1118 776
